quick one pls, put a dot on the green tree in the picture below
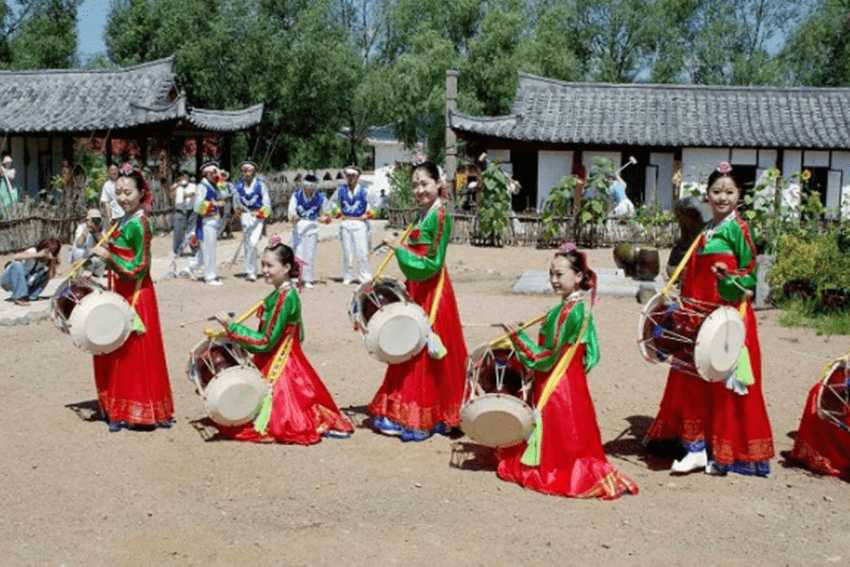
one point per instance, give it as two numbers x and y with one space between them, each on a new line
818 51
38 34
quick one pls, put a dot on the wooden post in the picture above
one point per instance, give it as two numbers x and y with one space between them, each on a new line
451 137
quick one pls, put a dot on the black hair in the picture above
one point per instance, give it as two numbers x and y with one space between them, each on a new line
430 168
578 264
285 255
717 174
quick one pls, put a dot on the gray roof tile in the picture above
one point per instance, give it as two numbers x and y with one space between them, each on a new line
76 100
546 110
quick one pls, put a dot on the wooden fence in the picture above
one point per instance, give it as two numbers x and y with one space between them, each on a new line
33 220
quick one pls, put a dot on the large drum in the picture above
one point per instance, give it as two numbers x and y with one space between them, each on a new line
394 327
683 333
224 376
99 321
496 409
834 396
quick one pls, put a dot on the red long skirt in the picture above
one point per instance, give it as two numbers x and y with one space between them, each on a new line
132 382
302 408
425 391
821 445
572 460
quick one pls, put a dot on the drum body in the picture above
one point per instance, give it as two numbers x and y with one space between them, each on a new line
394 327
496 409
704 343
224 376
99 321
833 404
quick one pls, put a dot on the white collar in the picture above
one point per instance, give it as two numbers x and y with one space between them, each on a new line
712 227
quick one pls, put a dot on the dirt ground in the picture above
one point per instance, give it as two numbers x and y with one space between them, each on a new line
73 494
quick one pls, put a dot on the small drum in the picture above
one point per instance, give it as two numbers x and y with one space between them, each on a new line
99 321
704 343
496 409
224 376
394 327
834 396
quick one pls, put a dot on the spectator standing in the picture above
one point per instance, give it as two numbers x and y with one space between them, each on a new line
112 211
350 202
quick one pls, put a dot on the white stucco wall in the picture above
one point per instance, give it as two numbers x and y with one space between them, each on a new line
551 168
659 177
839 195
389 152
698 163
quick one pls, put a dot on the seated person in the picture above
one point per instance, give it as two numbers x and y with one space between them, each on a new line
27 274
86 235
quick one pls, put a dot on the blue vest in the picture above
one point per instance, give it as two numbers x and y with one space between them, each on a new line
252 199
309 209
352 206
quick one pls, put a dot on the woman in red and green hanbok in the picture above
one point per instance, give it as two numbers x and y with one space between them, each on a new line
132 381
723 425
564 455
422 396
299 409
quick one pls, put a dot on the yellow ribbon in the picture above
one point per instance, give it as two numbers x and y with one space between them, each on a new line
561 368
88 256
213 334
680 267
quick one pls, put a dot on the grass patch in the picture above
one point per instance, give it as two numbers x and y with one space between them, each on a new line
805 313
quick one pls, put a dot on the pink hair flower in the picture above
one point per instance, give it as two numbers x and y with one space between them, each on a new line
567 247
724 167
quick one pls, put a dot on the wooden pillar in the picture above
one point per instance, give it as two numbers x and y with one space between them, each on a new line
199 155
142 142
451 138
107 145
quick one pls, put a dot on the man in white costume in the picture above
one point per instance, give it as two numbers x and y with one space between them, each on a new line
208 205
253 205
306 211
350 202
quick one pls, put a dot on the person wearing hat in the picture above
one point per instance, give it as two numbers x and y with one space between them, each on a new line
350 202
183 193
8 193
112 211
306 211
208 205
87 234
253 205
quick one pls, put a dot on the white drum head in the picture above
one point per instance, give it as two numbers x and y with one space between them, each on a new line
234 395
397 332
101 322
497 420
719 343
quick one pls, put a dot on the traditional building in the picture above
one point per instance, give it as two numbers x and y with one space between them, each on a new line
42 112
555 127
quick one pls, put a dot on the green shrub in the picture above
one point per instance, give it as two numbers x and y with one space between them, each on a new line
813 259
494 207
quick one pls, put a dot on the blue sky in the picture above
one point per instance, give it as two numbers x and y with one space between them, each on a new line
91 19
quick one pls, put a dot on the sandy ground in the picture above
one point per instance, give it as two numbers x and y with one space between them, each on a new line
73 494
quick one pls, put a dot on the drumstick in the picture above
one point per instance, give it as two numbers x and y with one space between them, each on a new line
381 245
747 292
210 318
88 256
240 319
382 266
507 336
481 324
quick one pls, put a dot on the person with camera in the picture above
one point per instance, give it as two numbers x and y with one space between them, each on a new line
87 234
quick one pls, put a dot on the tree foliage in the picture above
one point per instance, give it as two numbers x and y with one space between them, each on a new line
38 34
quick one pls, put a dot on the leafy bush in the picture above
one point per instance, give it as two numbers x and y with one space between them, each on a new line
494 207
814 260
401 189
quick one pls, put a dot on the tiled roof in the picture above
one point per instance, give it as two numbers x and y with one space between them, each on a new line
552 111
82 101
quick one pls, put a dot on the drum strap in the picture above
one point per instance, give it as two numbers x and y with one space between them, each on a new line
681 266
531 456
436 347
261 422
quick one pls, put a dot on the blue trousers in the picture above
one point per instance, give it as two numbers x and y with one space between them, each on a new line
14 279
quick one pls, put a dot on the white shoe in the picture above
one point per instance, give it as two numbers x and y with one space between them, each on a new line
215 282
346 282
690 462
186 272
308 285
251 278
712 469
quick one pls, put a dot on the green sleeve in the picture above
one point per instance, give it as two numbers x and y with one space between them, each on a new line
279 311
129 254
560 329
435 231
739 241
